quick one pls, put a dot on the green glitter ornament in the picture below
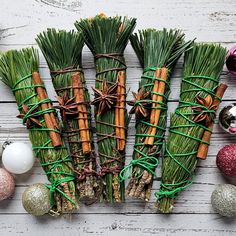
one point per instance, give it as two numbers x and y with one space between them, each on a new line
36 199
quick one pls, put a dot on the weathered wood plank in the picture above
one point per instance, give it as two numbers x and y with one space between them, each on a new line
212 21
200 19
117 224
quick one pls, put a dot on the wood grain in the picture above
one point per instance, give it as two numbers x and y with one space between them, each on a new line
208 20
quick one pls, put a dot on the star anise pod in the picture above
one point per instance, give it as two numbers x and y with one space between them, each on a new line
204 110
105 98
31 121
139 104
67 105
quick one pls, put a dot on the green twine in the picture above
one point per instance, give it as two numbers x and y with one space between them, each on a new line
32 112
146 161
171 190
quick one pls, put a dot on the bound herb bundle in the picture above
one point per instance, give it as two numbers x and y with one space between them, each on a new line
62 51
19 70
107 38
192 123
158 52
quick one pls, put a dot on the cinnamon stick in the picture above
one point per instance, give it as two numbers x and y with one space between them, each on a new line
53 118
82 113
203 148
117 118
120 111
42 95
154 95
155 113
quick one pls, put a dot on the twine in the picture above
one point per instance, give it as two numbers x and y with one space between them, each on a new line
53 187
146 161
78 159
171 190
112 164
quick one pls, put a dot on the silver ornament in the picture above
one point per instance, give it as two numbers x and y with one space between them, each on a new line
36 199
1 149
227 118
223 200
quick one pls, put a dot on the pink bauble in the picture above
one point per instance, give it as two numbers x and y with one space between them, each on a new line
7 184
226 160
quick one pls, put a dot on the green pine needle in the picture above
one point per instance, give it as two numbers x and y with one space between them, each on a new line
14 66
62 49
108 35
201 60
154 49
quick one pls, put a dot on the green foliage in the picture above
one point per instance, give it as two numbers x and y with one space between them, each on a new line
107 35
205 60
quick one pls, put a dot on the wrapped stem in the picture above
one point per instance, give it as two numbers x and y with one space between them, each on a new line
74 103
193 117
158 52
107 38
18 71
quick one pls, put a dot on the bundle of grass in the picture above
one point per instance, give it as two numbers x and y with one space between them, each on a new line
19 71
158 52
107 38
62 51
192 123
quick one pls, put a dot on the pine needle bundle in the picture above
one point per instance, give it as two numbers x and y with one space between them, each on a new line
62 51
107 38
158 52
19 71
192 123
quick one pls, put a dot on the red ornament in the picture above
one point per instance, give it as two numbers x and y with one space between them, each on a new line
226 160
231 61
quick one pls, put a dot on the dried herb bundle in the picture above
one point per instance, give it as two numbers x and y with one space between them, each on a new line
62 51
158 52
19 70
192 123
107 38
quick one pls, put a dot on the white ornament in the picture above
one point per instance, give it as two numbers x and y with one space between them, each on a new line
18 158
1 149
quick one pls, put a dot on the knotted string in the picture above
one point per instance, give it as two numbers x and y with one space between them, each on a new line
54 186
141 158
112 161
171 190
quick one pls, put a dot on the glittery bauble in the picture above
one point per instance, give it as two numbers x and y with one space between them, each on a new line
36 199
231 61
223 200
226 160
18 158
7 184
227 118
1 149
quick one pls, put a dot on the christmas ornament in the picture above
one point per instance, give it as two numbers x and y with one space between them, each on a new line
227 118
1 149
36 199
7 184
231 61
226 160
18 158
223 200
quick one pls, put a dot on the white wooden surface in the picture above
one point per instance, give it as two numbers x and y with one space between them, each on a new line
208 20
